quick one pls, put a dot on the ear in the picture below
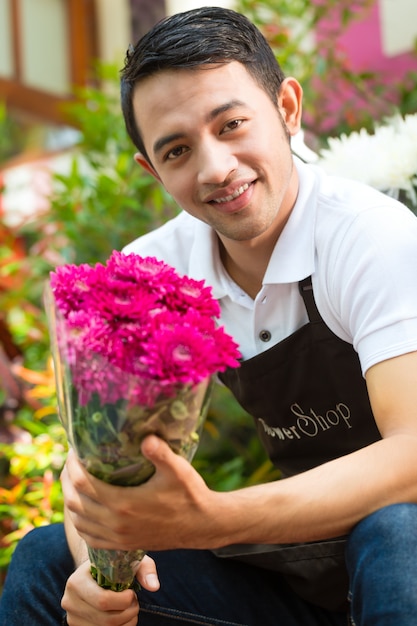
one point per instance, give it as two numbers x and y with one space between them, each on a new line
148 167
290 104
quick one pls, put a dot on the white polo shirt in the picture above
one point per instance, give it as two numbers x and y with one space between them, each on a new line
360 247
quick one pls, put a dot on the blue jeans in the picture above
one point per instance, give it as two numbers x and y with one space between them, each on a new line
199 588
382 562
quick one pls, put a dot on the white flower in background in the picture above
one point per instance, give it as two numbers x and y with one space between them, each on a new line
386 159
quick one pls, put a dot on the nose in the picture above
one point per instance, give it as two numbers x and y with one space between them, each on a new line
215 162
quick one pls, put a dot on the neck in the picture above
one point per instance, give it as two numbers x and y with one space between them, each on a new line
246 263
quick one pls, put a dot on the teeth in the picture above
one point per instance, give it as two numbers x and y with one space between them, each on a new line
234 195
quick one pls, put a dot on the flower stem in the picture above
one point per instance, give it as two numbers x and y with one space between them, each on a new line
103 582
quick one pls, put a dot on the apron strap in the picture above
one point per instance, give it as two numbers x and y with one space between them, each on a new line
306 290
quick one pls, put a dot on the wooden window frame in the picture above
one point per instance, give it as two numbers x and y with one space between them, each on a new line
81 24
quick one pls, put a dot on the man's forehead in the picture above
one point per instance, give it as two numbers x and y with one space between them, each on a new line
174 77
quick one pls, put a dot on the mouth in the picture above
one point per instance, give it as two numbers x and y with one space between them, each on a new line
231 198
238 192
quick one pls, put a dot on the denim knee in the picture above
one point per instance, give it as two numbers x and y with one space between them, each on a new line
393 525
36 578
381 558
32 541
43 544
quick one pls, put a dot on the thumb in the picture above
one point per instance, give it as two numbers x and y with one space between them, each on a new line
168 464
146 574
158 451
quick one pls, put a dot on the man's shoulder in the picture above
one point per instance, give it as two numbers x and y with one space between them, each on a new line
350 208
171 242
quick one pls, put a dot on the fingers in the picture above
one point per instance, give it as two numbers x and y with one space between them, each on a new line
113 517
87 604
82 480
146 574
87 515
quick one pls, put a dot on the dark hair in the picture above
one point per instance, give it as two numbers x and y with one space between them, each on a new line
198 37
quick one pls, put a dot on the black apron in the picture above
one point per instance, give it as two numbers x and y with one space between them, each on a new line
310 404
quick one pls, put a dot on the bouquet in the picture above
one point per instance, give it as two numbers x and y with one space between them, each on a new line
385 159
135 348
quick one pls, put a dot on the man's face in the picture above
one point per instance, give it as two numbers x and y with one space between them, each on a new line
219 146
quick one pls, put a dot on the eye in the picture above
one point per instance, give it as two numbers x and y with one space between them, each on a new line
174 153
233 125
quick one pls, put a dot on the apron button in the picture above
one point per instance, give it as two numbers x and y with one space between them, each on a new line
265 335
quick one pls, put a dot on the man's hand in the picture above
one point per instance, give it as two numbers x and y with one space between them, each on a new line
87 604
169 511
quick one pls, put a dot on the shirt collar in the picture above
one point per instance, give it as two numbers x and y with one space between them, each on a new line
205 262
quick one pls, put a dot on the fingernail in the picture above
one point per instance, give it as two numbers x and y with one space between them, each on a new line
151 444
152 581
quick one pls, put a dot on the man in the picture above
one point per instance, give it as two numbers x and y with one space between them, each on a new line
316 281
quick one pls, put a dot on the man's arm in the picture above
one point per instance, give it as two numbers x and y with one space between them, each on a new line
176 509
329 500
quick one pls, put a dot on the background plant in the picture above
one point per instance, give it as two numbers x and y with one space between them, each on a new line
337 99
11 135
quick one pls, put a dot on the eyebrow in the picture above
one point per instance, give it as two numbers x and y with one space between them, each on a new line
167 139
163 141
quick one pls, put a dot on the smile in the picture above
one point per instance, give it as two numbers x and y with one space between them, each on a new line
234 195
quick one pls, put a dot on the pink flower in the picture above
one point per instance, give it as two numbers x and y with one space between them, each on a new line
193 293
133 326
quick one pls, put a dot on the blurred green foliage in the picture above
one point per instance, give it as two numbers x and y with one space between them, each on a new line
104 199
337 98
11 138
